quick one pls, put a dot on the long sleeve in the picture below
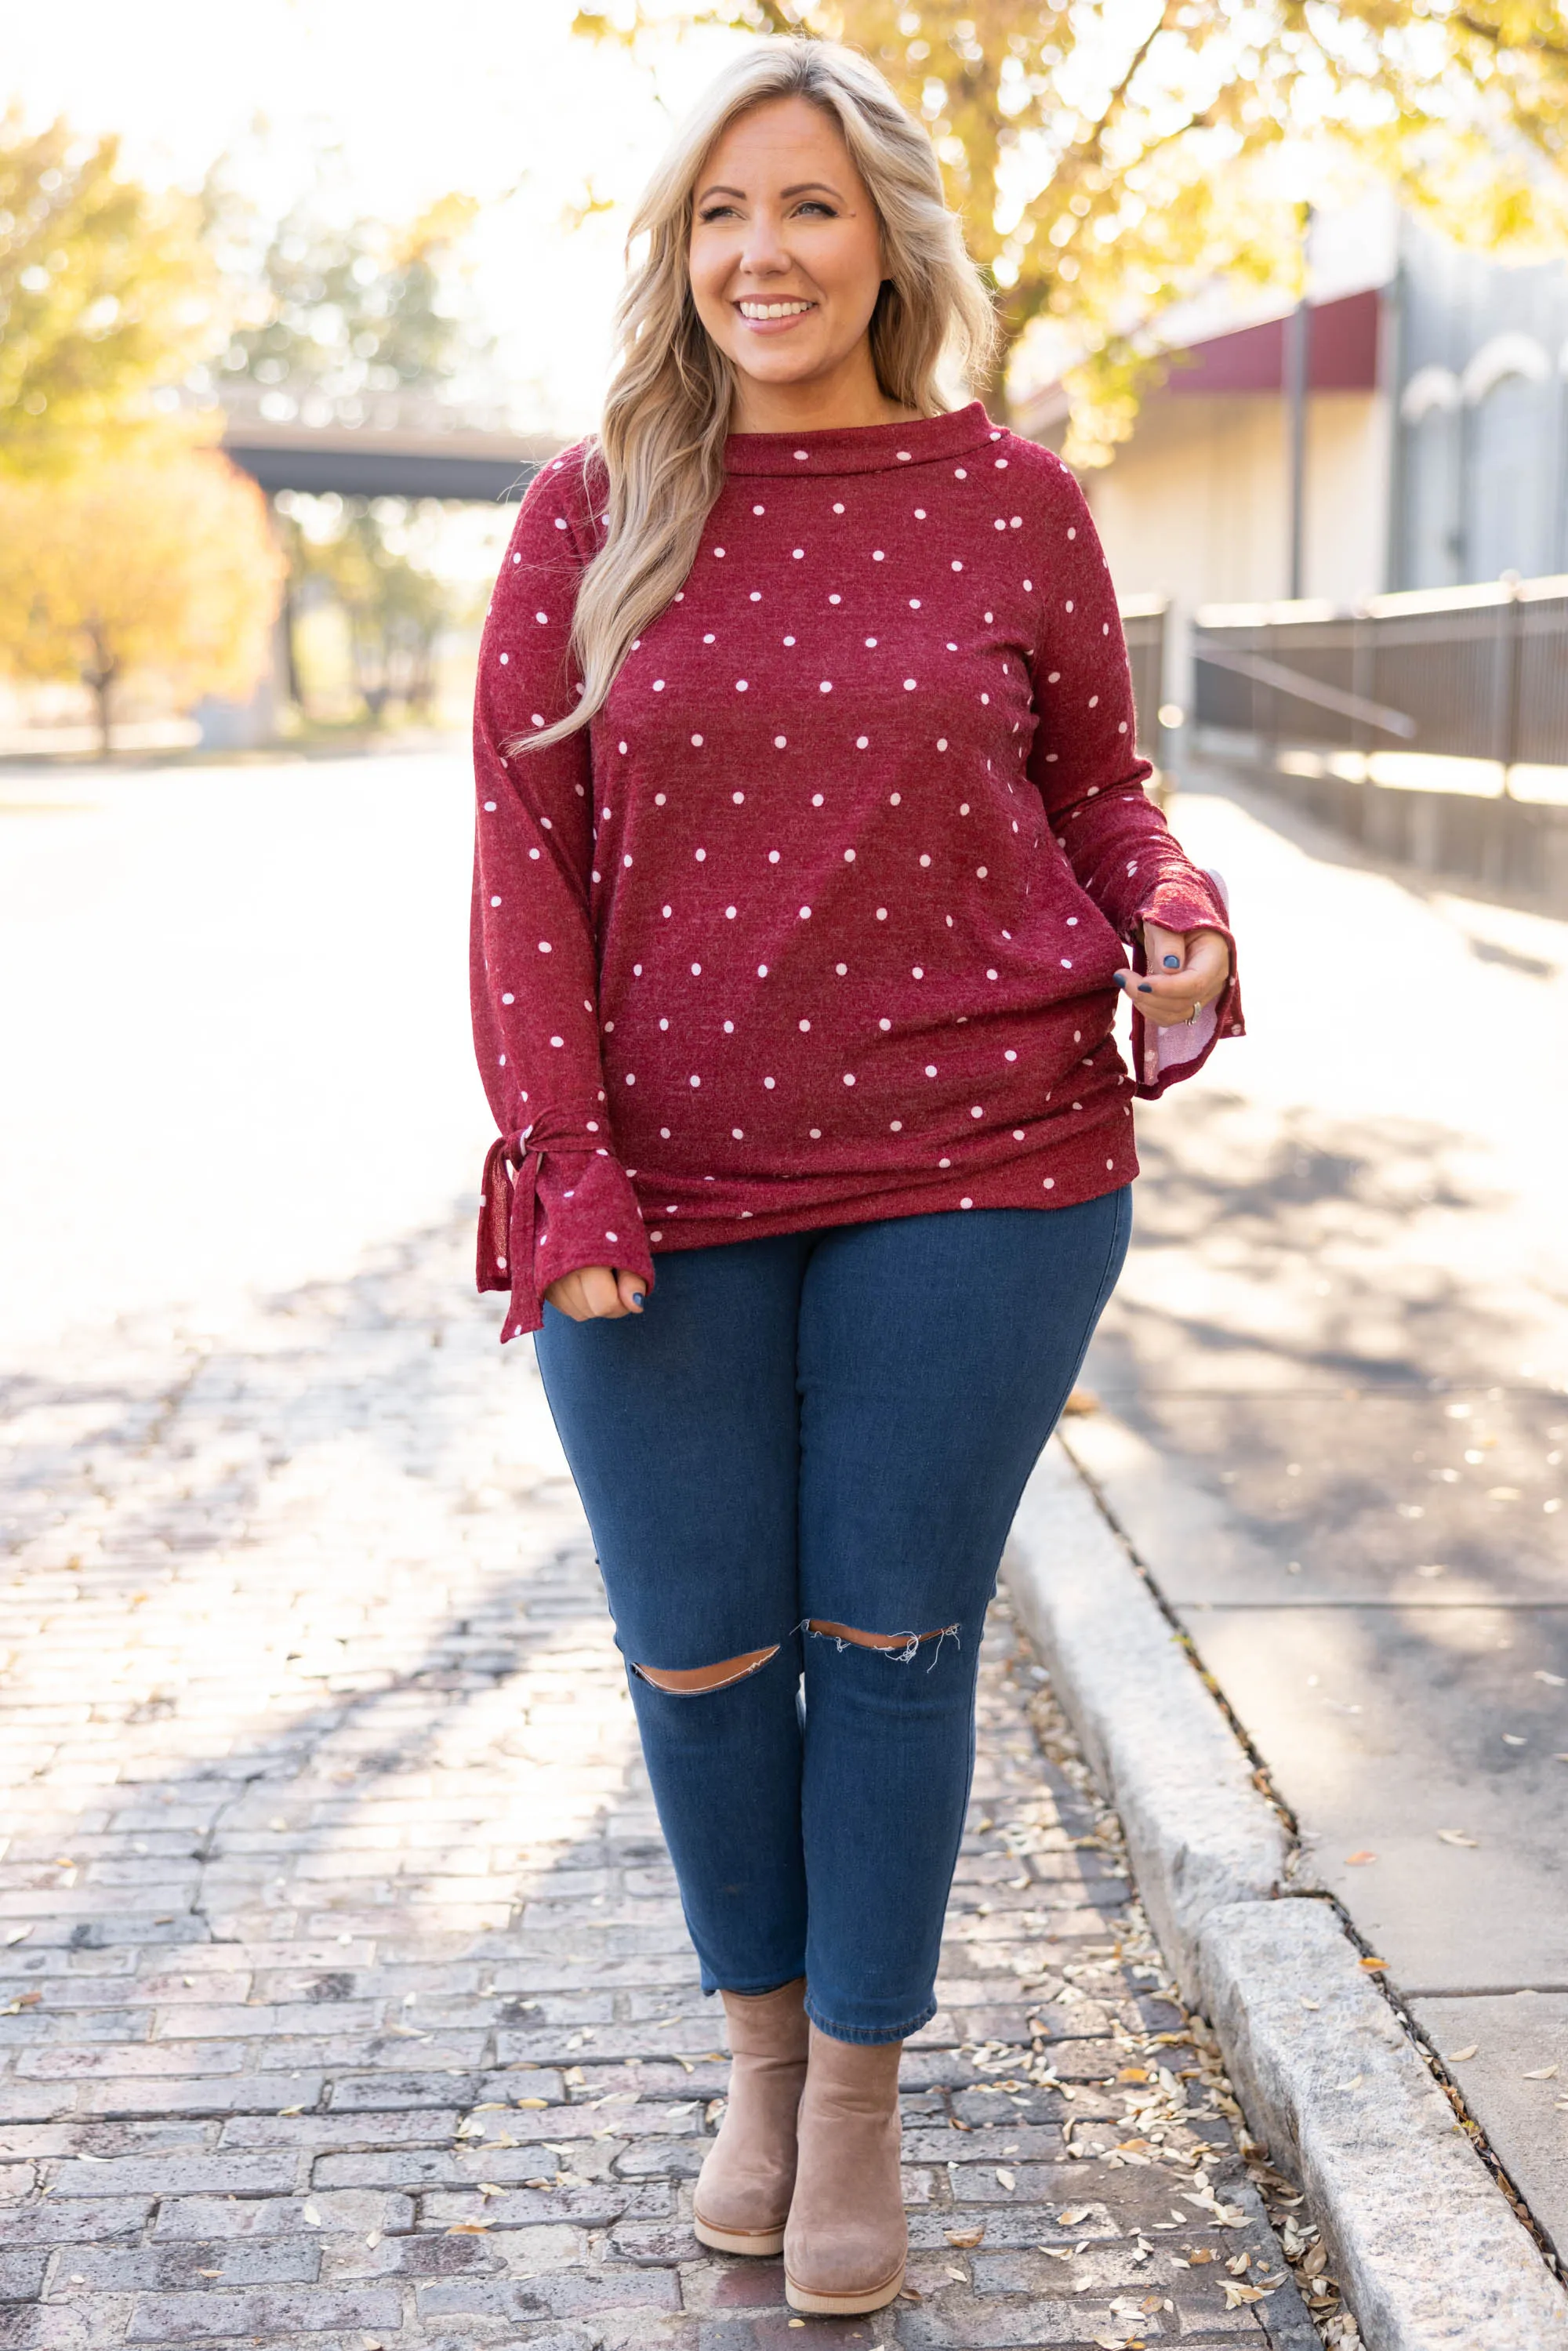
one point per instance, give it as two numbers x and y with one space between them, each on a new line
1085 763
554 1195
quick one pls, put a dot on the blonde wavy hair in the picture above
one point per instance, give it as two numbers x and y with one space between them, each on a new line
656 465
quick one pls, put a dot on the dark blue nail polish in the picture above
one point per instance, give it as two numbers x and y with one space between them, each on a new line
1144 988
637 1299
1121 979
1173 963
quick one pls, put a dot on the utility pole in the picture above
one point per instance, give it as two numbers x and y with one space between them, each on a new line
1298 376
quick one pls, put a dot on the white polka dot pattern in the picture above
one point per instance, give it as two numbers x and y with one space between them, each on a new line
831 894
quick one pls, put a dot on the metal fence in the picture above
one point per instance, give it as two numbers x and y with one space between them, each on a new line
1144 626
1431 728
1478 672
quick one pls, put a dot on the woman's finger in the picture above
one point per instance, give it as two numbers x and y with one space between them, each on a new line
589 1295
600 1293
1184 973
631 1287
1164 950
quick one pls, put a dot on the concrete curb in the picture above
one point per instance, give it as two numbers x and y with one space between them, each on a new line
1200 1834
1424 2245
1423 2242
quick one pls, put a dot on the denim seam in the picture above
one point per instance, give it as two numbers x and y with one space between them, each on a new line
869 2036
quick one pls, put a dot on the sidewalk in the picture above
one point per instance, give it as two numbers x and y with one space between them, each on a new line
346 1999
1335 1377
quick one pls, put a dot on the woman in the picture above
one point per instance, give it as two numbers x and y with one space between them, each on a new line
811 831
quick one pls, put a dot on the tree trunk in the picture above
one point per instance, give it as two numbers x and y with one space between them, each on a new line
287 619
98 678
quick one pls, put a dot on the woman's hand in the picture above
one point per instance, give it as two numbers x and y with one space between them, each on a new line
597 1291
1187 969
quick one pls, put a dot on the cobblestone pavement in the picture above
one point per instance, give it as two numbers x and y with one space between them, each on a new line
345 1999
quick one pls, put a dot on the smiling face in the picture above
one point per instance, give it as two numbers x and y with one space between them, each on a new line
785 264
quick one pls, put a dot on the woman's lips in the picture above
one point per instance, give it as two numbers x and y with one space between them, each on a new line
773 318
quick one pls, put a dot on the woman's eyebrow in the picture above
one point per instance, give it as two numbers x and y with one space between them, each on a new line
804 188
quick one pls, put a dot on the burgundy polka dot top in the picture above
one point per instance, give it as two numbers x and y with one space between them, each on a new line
817 922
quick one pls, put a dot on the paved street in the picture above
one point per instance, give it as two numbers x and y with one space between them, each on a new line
1336 1374
345 1999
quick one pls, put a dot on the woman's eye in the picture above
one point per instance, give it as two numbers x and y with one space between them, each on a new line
715 212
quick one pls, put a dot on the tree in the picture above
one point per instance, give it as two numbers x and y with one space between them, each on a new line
365 552
1111 156
159 562
106 295
343 306
340 314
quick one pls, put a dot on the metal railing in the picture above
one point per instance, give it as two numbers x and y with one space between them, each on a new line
1476 673
1431 728
1144 626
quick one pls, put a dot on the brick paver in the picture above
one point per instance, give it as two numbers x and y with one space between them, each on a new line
345 1997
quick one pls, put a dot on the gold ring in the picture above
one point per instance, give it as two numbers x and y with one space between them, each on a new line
1192 1016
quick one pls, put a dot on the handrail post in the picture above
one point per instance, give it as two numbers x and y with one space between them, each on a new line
1513 653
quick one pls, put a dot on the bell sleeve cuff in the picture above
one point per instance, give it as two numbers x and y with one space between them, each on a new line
1162 1058
550 1205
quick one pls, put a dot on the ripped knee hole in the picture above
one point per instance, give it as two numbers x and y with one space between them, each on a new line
690 1681
693 1681
901 1644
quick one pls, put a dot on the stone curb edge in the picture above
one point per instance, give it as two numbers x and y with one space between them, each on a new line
1424 2243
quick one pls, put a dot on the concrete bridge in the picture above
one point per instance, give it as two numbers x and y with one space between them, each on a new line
400 459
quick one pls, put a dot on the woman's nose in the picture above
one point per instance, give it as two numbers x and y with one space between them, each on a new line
762 250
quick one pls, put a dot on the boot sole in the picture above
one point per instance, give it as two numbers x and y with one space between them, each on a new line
763 2242
844 2306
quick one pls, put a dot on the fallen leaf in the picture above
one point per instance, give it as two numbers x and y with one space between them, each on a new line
1073 2214
1235 2295
1310 2004
1133 2074
1456 1836
83 2157
533 2102
965 2240
1358 1860
1375 1964
961 2275
1541 2074
311 2218
1552 1681
289 2110
1006 2180
488 2188
1457 2056
1204 2253
468 2228
17 1935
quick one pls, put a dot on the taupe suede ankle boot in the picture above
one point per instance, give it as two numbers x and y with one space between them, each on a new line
744 2187
845 2245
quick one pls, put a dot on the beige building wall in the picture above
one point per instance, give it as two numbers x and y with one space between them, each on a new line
1195 506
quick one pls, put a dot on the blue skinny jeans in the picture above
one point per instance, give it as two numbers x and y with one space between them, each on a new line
802 1446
